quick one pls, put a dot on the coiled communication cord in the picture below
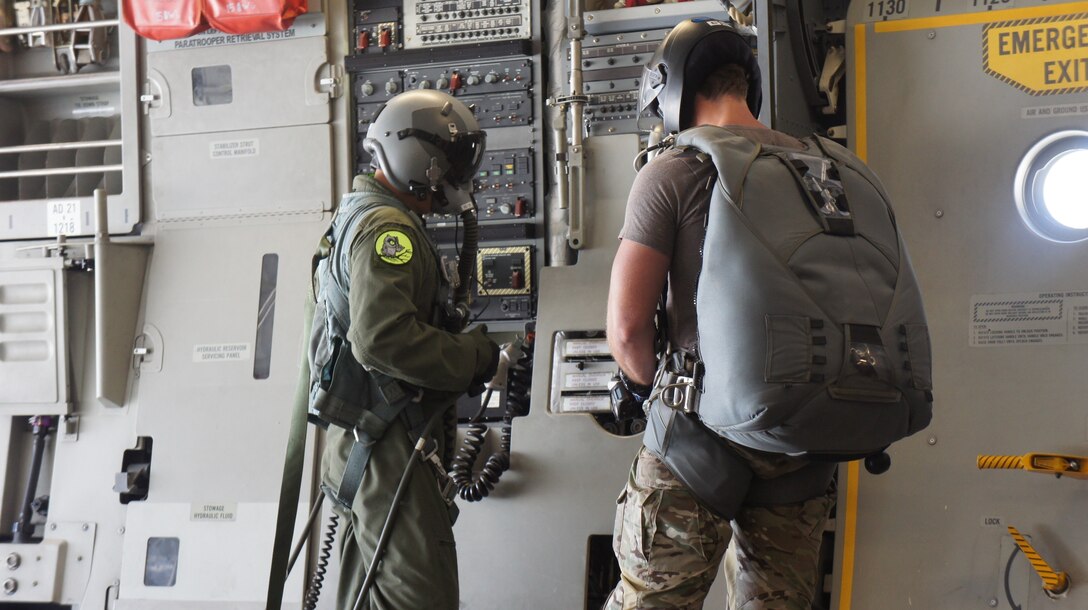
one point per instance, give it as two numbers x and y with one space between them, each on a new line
318 578
475 488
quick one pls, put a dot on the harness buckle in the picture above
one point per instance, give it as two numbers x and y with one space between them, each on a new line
680 388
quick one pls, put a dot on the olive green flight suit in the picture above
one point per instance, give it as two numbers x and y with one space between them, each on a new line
394 277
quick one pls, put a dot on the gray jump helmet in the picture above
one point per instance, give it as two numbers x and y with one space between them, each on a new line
683 60
426 141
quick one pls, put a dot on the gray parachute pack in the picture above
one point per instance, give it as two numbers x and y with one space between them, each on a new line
812 332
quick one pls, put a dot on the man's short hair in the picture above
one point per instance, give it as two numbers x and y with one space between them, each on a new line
729 79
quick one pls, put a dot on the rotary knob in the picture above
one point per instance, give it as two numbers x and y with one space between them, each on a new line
473 80
367 89
424 84
392 87
442 83
491 78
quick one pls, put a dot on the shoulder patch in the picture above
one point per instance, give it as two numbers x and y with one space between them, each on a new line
394 247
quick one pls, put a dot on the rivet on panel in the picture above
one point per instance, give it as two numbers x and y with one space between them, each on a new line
931 35
939 213
932 440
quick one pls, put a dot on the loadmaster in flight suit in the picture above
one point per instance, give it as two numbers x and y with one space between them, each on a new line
426 145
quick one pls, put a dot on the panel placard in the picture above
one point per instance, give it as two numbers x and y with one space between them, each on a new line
1042 318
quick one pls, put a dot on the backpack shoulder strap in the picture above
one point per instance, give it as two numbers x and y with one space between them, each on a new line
732 155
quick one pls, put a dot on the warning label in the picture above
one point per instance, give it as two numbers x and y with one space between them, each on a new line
1043 56
224 352
1044 318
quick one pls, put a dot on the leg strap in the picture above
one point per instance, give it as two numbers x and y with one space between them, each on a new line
358 458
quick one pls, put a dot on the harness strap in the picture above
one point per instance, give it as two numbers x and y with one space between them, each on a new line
389 400
358 458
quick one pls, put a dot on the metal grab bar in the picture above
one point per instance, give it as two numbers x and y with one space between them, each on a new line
61 171
61 27
27 148
49 82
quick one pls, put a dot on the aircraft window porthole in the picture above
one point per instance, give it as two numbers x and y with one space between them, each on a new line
1052 187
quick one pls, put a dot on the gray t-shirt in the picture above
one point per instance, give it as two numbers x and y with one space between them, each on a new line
666 211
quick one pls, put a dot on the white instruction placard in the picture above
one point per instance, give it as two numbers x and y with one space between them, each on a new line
585 404
1042 318
588 381
581 348
221 352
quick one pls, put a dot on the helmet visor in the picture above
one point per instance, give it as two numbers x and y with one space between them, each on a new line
465 153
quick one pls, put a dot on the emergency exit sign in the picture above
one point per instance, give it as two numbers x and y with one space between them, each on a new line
1041 56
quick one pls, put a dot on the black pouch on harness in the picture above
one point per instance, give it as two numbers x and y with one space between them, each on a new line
344 392
717 475
705 463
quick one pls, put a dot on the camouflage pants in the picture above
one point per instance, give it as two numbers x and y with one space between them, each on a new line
669 547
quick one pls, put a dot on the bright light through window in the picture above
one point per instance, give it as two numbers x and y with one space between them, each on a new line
1051 187
1065 188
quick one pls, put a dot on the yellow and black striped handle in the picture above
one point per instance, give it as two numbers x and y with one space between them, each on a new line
1054 582
1046 463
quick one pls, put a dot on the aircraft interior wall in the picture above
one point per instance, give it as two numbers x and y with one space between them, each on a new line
160 203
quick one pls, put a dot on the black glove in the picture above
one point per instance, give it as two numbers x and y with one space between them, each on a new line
640 391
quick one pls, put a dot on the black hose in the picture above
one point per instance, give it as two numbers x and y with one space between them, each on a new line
23 529
466 262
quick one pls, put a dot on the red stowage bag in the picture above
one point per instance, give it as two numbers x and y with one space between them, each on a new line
248 16
164 19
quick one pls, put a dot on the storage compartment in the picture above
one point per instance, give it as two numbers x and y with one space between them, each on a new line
62 81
